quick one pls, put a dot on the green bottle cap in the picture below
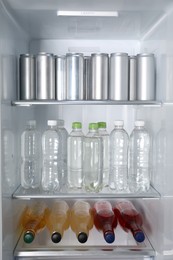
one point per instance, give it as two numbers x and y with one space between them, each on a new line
28 237
93 126
101 124
76 125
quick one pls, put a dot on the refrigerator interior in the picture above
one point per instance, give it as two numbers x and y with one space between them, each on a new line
141 26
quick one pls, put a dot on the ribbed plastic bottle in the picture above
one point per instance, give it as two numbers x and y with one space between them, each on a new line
130 219
51 149
58 220
81 220
64 135
93 160
119 141
75 157
139 158
105 220
34 220
30 156
106 152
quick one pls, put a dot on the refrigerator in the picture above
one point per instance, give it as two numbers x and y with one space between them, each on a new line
93 26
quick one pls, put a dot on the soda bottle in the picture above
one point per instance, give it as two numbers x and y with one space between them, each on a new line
93 159
58 220
30 156
75 156
119 157
34 220
139 158
106 152
51 147
105 220
81 220
129 219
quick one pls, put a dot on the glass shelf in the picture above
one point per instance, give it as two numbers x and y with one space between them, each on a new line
106 193
124 247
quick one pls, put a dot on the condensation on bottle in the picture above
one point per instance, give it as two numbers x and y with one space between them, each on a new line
51 149
139 158
119 141
30 156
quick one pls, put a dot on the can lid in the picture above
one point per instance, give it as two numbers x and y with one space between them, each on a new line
31 123
139 123
76 125
73 54
60 56
52 122
101 124
27 55
118 123
100 54
45 54
145 55
93 126
119 54
132 57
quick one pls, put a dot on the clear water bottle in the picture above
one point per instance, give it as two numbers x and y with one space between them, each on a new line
93 160
139 158
119 141
51 149
64 135
75 157
106 152
30 156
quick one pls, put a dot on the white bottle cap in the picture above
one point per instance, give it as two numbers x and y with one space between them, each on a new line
118 123
52 122
139 123
31 123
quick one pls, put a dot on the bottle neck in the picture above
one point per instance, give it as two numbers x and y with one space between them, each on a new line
118 127
139 127
52 127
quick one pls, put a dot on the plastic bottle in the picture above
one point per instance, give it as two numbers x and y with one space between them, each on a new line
105 220
75 157
34 221
106 151
129 219
51 147
139 158
93 160
119 141
30 156
64 135
81 220
58 220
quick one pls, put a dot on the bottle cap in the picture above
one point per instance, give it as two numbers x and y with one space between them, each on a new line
52 122
31 123
56 237
101 124
118 123
28 237
139 123
76 125
109 237
139 236
82 237
60 122
93 126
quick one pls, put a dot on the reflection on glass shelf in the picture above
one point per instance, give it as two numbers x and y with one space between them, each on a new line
22 193
123 246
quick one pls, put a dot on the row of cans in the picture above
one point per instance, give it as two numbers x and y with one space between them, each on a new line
100 76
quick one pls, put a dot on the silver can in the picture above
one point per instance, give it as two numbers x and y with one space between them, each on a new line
45 76
146 89
60 77
87 77
27 77
132 77
118 78
99 68
75 71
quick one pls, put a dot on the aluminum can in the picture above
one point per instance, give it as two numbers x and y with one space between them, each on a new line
99 68
146 85
87 77
60 77
132 77
45 76
27 77
118 77
75 73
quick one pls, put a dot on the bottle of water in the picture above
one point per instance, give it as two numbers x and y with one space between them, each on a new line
106 153
30 156
51 148
64 135
93 160
139 158
75 157
119 157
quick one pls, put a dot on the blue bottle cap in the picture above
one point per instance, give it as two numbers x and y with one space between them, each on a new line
139 236
109 237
